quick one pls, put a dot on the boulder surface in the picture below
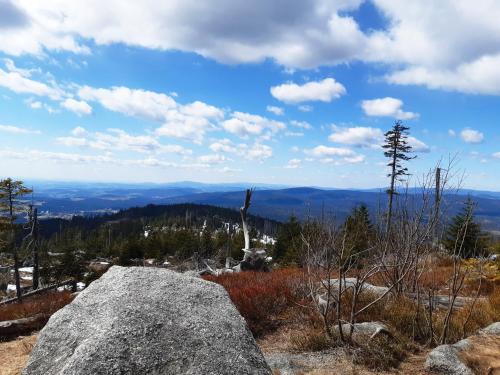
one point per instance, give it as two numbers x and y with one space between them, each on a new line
445 359
147 321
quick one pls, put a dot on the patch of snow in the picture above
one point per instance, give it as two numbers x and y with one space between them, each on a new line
26 269
11 288
80 286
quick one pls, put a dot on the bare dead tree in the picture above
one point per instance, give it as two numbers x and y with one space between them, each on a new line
459 274
253 258
243 213
397 258
32 241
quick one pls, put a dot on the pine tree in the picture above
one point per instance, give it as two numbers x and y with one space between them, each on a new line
289 243
11 205
359 231
397 148
207 246
464 237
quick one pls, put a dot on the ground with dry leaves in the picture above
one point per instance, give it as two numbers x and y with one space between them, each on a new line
14 354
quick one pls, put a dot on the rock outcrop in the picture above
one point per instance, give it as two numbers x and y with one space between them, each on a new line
147 321
365 330
445 359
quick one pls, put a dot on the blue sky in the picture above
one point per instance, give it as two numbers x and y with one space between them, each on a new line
288 92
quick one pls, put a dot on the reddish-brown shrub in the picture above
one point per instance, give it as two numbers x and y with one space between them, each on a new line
47 303
261 297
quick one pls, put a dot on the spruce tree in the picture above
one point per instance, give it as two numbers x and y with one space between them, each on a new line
464 237
11 205
289 243
358 230
396 150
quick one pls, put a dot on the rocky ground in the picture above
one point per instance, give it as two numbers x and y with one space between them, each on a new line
14 355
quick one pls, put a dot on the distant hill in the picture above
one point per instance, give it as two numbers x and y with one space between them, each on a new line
189 214
272 201
304 202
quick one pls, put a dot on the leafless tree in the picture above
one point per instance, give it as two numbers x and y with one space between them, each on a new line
397 258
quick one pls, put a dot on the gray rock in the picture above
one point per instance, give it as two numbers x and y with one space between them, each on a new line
492 329
147 321
444 360
350 282
365 330
284 363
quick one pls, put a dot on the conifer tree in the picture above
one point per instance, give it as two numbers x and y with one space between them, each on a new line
396 150
11 205
289 242
464 237
359 231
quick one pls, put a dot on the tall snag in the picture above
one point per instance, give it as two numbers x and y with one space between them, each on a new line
397 148
253 258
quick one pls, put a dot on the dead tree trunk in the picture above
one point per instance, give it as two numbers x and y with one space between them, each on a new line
253 258
34 235
243 212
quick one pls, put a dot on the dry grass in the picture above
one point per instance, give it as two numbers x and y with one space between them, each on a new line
15 354
380 353
47 303
483 355
309 340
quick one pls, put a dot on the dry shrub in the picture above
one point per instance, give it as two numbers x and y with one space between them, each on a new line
399 312
310 340
373 313
442 260
380 353
47 303
494 302
261 297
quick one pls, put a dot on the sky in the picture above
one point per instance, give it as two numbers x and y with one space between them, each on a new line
295 92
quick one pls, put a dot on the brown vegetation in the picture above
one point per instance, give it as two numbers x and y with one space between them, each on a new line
482 356
262 297
47 303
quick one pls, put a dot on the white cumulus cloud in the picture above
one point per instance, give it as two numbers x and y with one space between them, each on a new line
387 107
17 130
79 107
293 164
471 136
278 111
246 124
324 91
357 136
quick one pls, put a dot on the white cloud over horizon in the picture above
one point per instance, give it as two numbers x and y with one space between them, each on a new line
325 91
387 107
471 136
17 130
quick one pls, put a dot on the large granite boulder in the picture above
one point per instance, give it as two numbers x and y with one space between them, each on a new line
147 321
445 359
